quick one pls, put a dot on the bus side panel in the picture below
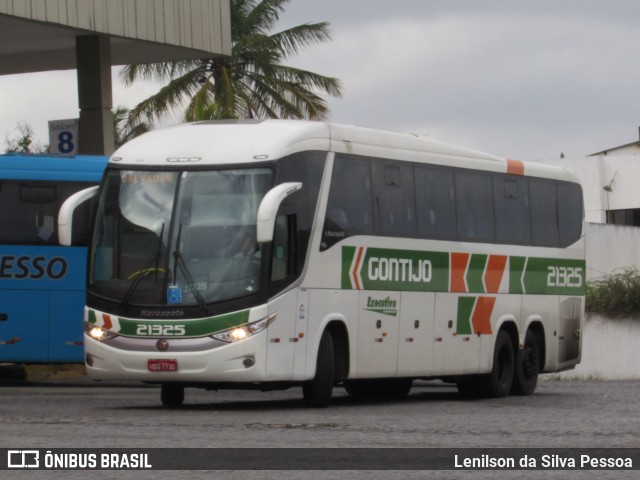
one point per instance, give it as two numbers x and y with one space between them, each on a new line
378 329
456 349
415 348
570 331
23 334
65 326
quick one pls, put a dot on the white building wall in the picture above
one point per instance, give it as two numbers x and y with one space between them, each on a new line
611 248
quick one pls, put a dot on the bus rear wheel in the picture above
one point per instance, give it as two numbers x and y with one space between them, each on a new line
317 392
171 394
498 382
525 378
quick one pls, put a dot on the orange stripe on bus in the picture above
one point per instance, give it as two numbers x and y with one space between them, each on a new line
494 273
481 318
107 321
356 268
459 262
515 167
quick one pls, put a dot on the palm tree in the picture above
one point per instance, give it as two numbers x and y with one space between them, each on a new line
251 83
122 130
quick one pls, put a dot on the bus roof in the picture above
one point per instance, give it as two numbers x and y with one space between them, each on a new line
229 142
18 166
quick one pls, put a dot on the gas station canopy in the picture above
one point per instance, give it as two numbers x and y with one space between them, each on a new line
93 35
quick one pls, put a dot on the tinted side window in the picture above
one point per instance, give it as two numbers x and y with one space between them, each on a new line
394 198
435 202
29 211
349 210
511 198
308 168
474 193
544 218
570 213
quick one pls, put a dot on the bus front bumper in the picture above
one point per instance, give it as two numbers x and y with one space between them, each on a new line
176 360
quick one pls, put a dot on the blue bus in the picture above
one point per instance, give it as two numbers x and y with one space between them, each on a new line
42 285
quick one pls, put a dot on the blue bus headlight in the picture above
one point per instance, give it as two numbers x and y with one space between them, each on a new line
98 333
236 334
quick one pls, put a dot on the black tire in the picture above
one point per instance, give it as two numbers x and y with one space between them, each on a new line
469 386
498 382
527 367
396 388
171 395
317 392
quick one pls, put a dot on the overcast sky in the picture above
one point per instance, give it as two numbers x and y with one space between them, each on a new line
526 79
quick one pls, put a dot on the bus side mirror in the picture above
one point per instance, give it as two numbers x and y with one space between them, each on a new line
65 215
268 209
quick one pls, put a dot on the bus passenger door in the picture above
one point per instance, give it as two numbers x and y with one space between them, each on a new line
281 345
65 326
378 329
300 337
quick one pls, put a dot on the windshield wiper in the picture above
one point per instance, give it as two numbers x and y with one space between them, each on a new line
180 264
155 257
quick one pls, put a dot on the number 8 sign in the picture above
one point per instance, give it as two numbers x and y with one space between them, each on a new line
65 144
63 136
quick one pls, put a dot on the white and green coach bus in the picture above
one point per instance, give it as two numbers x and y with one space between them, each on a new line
271 254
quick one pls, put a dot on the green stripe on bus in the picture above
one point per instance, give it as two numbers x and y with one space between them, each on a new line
465 309
192 328
475 273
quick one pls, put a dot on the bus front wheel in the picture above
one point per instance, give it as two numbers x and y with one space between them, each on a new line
317 392
171 395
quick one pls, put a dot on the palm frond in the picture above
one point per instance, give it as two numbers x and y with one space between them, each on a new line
292 40
251 83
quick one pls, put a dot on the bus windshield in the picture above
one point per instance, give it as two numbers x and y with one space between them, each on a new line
178 237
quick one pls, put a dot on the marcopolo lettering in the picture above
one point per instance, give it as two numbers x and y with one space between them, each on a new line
399 270
32 268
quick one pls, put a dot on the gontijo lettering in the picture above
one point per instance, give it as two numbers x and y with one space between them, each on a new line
33 268
399 270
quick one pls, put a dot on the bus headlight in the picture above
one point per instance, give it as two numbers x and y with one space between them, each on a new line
236 334
98 333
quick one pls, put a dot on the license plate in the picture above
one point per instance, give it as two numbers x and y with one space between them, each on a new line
162 365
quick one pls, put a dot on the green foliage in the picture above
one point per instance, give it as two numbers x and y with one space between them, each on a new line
616 294
252 83
122 131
